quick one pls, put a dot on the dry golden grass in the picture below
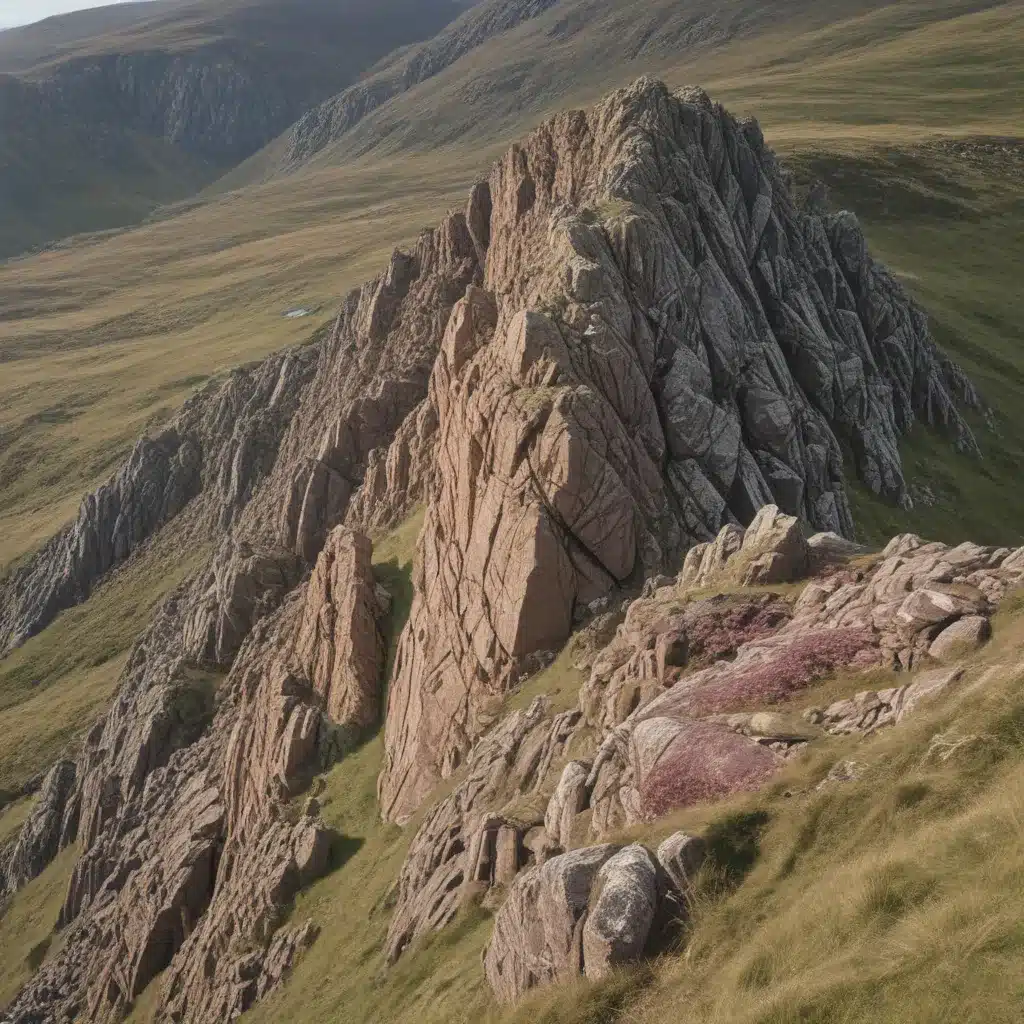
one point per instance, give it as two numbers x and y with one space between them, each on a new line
104 338
27 924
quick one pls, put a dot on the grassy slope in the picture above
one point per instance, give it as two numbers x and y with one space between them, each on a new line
27 922
54 688
84 168
204 289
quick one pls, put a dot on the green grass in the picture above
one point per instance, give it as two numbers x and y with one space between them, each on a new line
27 922
54 687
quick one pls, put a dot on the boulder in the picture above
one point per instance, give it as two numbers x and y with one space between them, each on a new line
620 913
537 936
960 638
681 857
569 798
774 549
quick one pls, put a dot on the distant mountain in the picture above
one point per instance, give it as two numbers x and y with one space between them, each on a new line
106 113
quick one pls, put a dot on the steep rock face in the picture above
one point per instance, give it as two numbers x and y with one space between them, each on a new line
219 447
189 858
370 375
339 644
51 826
665 345
243 585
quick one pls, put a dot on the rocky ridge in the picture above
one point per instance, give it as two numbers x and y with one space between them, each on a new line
629 346
326 123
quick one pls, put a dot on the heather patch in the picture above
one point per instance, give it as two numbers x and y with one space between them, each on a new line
774 672
716 629
704 762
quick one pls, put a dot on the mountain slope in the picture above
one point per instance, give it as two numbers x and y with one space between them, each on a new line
99 128
868 876
501 64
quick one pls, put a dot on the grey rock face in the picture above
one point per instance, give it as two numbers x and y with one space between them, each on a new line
681 857
621 911
219 447
537 935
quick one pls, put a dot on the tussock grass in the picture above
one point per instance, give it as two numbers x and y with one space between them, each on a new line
27 922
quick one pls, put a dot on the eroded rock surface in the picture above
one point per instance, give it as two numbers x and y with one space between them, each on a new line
663 345
51 826
630 344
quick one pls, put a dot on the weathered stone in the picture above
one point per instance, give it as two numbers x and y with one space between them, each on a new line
681 857
774 549
243 585
871 710
339 643
962 637
455 851
621 911
537 935
569 798
51 826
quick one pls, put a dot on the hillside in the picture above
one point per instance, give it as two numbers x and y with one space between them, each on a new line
105 115
471 85
469 647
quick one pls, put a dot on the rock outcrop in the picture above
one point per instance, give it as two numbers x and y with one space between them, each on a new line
51 826
631 344
585 912
219 447
663 344
189 854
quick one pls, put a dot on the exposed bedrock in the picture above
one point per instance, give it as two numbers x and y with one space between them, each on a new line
682 706
190 853
630 345
663 344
